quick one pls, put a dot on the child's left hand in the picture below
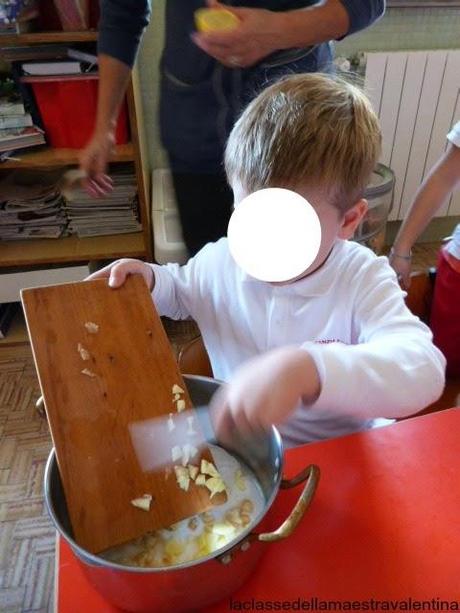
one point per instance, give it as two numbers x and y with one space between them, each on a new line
266 389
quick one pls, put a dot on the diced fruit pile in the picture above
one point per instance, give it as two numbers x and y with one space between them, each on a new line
199 536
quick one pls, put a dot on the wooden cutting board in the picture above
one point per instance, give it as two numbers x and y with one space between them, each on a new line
104 363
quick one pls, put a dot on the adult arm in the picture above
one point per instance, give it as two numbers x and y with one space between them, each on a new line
262 32
330 20
431 195
120 29
363 13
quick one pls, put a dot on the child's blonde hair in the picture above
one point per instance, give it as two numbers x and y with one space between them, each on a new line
306 130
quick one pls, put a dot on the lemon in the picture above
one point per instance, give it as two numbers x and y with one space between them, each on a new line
211 20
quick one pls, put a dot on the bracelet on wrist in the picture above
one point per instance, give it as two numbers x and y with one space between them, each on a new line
399 255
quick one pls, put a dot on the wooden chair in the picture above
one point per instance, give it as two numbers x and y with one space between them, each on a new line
194 360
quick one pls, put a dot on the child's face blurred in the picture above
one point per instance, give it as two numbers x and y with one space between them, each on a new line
334 223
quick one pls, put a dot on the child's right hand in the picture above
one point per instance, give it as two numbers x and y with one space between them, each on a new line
117 271
265 390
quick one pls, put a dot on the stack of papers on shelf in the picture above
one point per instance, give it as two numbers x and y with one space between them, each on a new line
20 138
16 125
55 68
46 60
116 213
15 121
41 53
12 112
11 104
31 206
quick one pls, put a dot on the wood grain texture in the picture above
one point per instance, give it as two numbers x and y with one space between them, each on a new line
71 249
89 416
51 157
38 38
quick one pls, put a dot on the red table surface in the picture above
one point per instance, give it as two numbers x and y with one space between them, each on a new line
384 525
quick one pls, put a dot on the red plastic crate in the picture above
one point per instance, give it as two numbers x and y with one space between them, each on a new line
68 106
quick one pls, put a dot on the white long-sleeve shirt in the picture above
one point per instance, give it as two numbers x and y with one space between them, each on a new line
454 135
374 358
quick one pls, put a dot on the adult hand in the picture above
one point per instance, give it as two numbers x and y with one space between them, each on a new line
265 390
118 271
93 162
258 34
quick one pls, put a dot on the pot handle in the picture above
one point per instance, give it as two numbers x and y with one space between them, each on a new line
311 475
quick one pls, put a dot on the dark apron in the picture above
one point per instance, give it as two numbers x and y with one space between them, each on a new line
200 99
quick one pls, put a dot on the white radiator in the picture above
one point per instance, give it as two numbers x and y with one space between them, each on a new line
417 97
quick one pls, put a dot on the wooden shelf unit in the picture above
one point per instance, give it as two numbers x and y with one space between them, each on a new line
47 157
43 252
44 38
71 249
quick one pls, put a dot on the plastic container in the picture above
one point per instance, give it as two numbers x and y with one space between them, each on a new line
379 194
67 106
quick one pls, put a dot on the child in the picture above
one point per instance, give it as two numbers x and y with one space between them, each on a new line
431 195
328 353
434 191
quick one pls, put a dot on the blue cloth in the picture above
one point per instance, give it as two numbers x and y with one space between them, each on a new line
200 99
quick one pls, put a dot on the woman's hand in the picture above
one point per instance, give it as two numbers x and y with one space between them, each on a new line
258 35
266 389
117 271
94 159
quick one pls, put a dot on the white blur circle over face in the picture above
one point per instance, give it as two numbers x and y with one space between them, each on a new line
274 234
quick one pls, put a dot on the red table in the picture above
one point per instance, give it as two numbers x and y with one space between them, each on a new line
384 525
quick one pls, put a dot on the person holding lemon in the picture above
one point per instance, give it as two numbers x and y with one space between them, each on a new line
216 58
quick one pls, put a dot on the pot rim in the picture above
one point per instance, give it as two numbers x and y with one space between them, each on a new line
96 560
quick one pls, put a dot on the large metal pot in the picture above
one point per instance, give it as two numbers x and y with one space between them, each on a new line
196 584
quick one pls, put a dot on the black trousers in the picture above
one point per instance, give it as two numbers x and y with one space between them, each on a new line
205 203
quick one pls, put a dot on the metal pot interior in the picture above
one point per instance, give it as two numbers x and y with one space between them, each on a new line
266 467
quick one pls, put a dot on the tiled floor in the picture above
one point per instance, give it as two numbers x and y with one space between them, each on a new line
26 534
